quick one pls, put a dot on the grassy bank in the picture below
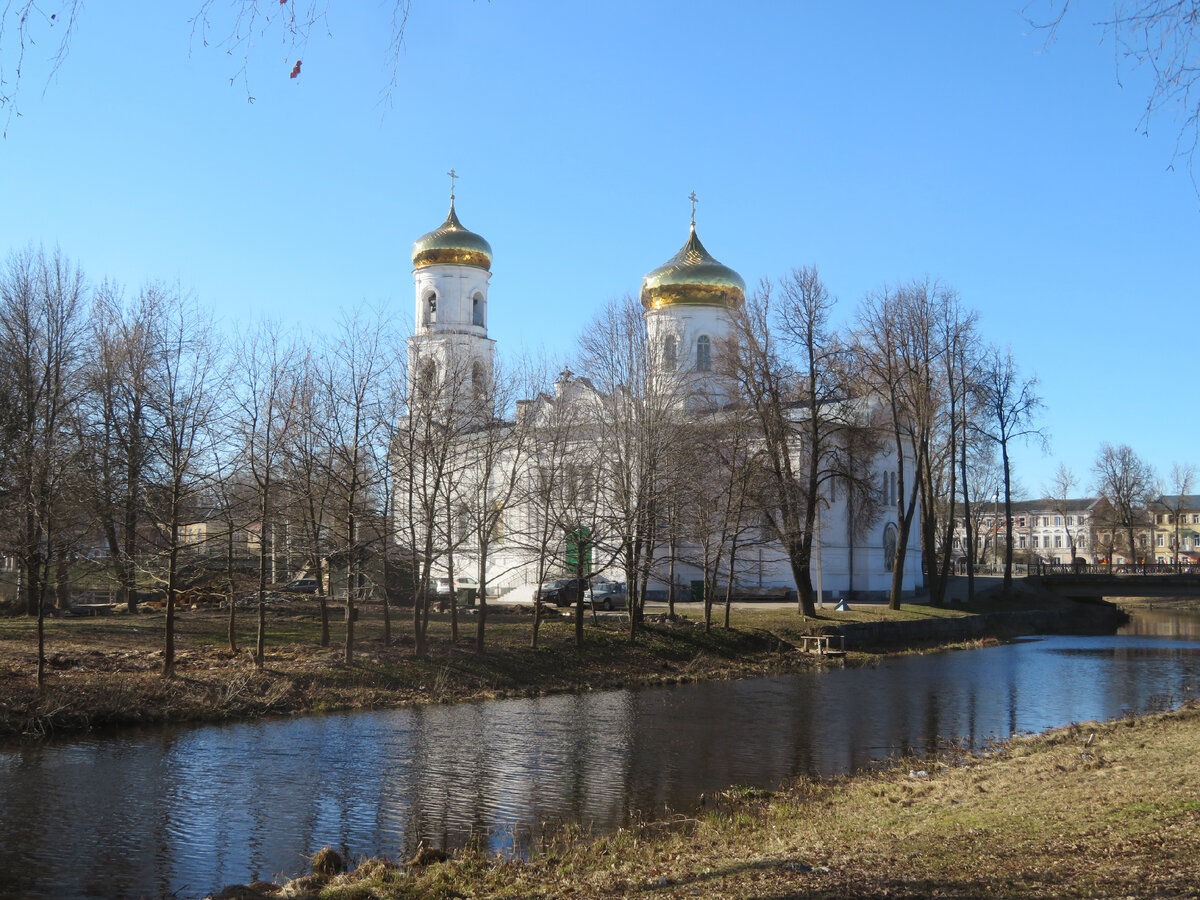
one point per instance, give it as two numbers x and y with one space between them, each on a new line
1093 810
104 671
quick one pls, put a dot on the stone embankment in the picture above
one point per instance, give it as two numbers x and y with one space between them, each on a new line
1080 617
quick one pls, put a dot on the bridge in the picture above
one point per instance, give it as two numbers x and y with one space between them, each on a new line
1153 580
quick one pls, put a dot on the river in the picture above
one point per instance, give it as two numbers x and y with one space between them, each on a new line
181 811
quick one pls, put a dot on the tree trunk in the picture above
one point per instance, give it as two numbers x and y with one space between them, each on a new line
232 582
1008 532
168 669
263 559
481 601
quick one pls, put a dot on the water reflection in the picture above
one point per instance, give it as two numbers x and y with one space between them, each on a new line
181 811
1165 622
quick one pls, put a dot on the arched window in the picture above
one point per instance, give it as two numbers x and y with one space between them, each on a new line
431 309
670 354
477 310
890 540
703 354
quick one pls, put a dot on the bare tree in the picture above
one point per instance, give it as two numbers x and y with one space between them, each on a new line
1183 480
267 412
553 424
958 343
899 358
426 464
497 450
41 331
1125 483
1059 493
792 374
1162 36
637 423
118 432
184 396
1011 405
234 503
967 361
717 491
362 386
238 27
308 467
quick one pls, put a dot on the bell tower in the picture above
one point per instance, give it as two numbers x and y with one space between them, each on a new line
689 301
450 354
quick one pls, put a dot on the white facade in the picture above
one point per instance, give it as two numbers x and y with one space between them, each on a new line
688 304
451 339
686 340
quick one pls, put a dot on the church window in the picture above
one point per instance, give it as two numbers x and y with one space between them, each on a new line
477 310
670 354
890 540
431 309
703 354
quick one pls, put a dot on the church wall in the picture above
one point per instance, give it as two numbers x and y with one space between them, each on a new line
456 339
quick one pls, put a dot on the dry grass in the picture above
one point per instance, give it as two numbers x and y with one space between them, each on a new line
105 671
1098 810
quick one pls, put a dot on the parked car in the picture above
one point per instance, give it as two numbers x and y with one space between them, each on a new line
461 583
466 590
563 591
300 586
609 595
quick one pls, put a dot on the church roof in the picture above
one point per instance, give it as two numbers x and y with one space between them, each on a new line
692 277
452 244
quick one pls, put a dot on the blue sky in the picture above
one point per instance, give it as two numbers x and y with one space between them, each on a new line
878 141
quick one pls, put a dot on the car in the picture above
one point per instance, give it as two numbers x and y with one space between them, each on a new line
300 586
563 591
609 595
461 583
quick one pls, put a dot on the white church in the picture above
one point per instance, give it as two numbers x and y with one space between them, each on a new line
687 302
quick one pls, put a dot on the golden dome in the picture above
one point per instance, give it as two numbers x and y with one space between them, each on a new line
451 244
692 278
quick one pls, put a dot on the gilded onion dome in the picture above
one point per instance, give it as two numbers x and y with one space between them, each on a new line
692 278
451 244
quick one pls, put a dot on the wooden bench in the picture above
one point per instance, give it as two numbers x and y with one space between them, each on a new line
821 644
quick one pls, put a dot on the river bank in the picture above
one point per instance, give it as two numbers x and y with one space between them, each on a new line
1091 810
104 672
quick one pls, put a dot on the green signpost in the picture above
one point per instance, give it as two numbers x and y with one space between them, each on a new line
579 549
